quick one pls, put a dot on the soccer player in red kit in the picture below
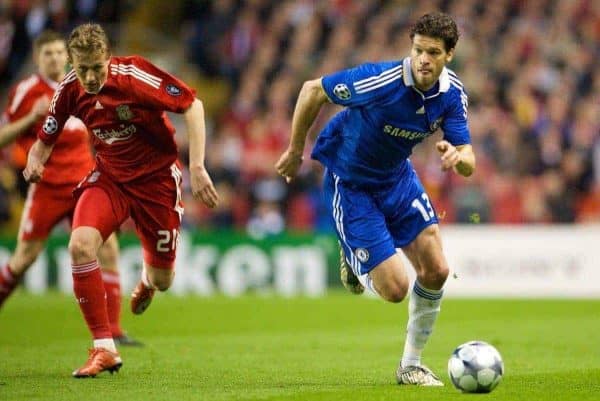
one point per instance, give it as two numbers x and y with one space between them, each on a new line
51 199
122 101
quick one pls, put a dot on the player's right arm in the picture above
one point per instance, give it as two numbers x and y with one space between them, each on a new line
58 113
360 86
36 159
310 100
10 131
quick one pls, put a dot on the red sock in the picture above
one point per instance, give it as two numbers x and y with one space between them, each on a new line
8 282
90 294
112 286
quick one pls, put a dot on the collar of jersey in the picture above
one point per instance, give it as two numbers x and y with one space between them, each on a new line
444 79
53 84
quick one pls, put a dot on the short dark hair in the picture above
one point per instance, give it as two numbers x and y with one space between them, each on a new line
45 37
437 25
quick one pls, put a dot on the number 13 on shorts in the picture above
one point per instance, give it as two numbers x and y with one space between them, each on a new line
424 207
168 240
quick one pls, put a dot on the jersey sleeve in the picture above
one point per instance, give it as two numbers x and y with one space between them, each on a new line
364 84
8 115
58 112
455 127
158 89
19 102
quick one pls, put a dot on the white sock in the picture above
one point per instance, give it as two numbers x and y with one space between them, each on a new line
106 343
423 309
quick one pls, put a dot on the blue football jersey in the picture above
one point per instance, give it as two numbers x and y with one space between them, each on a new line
369 142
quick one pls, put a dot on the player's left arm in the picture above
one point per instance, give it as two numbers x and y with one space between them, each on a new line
455 149
163 91
202 185
460 158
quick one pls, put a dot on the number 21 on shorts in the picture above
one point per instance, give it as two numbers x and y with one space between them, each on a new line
167 241
425 209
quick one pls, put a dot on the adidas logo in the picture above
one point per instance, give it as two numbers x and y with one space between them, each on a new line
421 110
98 105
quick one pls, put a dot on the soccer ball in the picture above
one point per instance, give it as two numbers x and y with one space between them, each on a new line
475 367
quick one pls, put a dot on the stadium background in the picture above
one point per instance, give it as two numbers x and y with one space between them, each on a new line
526 225
534 93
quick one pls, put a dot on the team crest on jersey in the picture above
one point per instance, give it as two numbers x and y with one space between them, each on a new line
342 91
50 125
362 254
436 124
173 90
124 113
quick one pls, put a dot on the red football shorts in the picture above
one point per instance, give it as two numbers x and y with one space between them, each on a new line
154 204
46 205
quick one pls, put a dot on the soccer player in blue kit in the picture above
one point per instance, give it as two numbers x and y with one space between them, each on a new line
376 199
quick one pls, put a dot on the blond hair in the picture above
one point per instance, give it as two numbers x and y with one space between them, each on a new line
88 38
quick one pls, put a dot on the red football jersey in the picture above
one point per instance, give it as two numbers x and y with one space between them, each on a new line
71 159
131 132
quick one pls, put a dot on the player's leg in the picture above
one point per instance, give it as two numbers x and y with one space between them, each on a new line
157 274
415 230
153 278
347 276
425 254
367 246
159 277
156 211
108 256
26 252
96 216
389 279
44 207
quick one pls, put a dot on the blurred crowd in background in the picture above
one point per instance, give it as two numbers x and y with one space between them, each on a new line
529 66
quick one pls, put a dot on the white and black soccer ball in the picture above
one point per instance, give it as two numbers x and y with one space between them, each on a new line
475 367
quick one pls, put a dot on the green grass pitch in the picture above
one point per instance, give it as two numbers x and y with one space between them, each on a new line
339 347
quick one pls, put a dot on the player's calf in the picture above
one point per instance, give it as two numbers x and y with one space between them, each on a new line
8 283
153 279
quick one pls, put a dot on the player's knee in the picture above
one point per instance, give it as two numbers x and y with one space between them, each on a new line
395 291
107 255
435 277
26 256
81 249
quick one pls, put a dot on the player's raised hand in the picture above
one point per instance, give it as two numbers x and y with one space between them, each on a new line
450 156
288 164
203 187
40 107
